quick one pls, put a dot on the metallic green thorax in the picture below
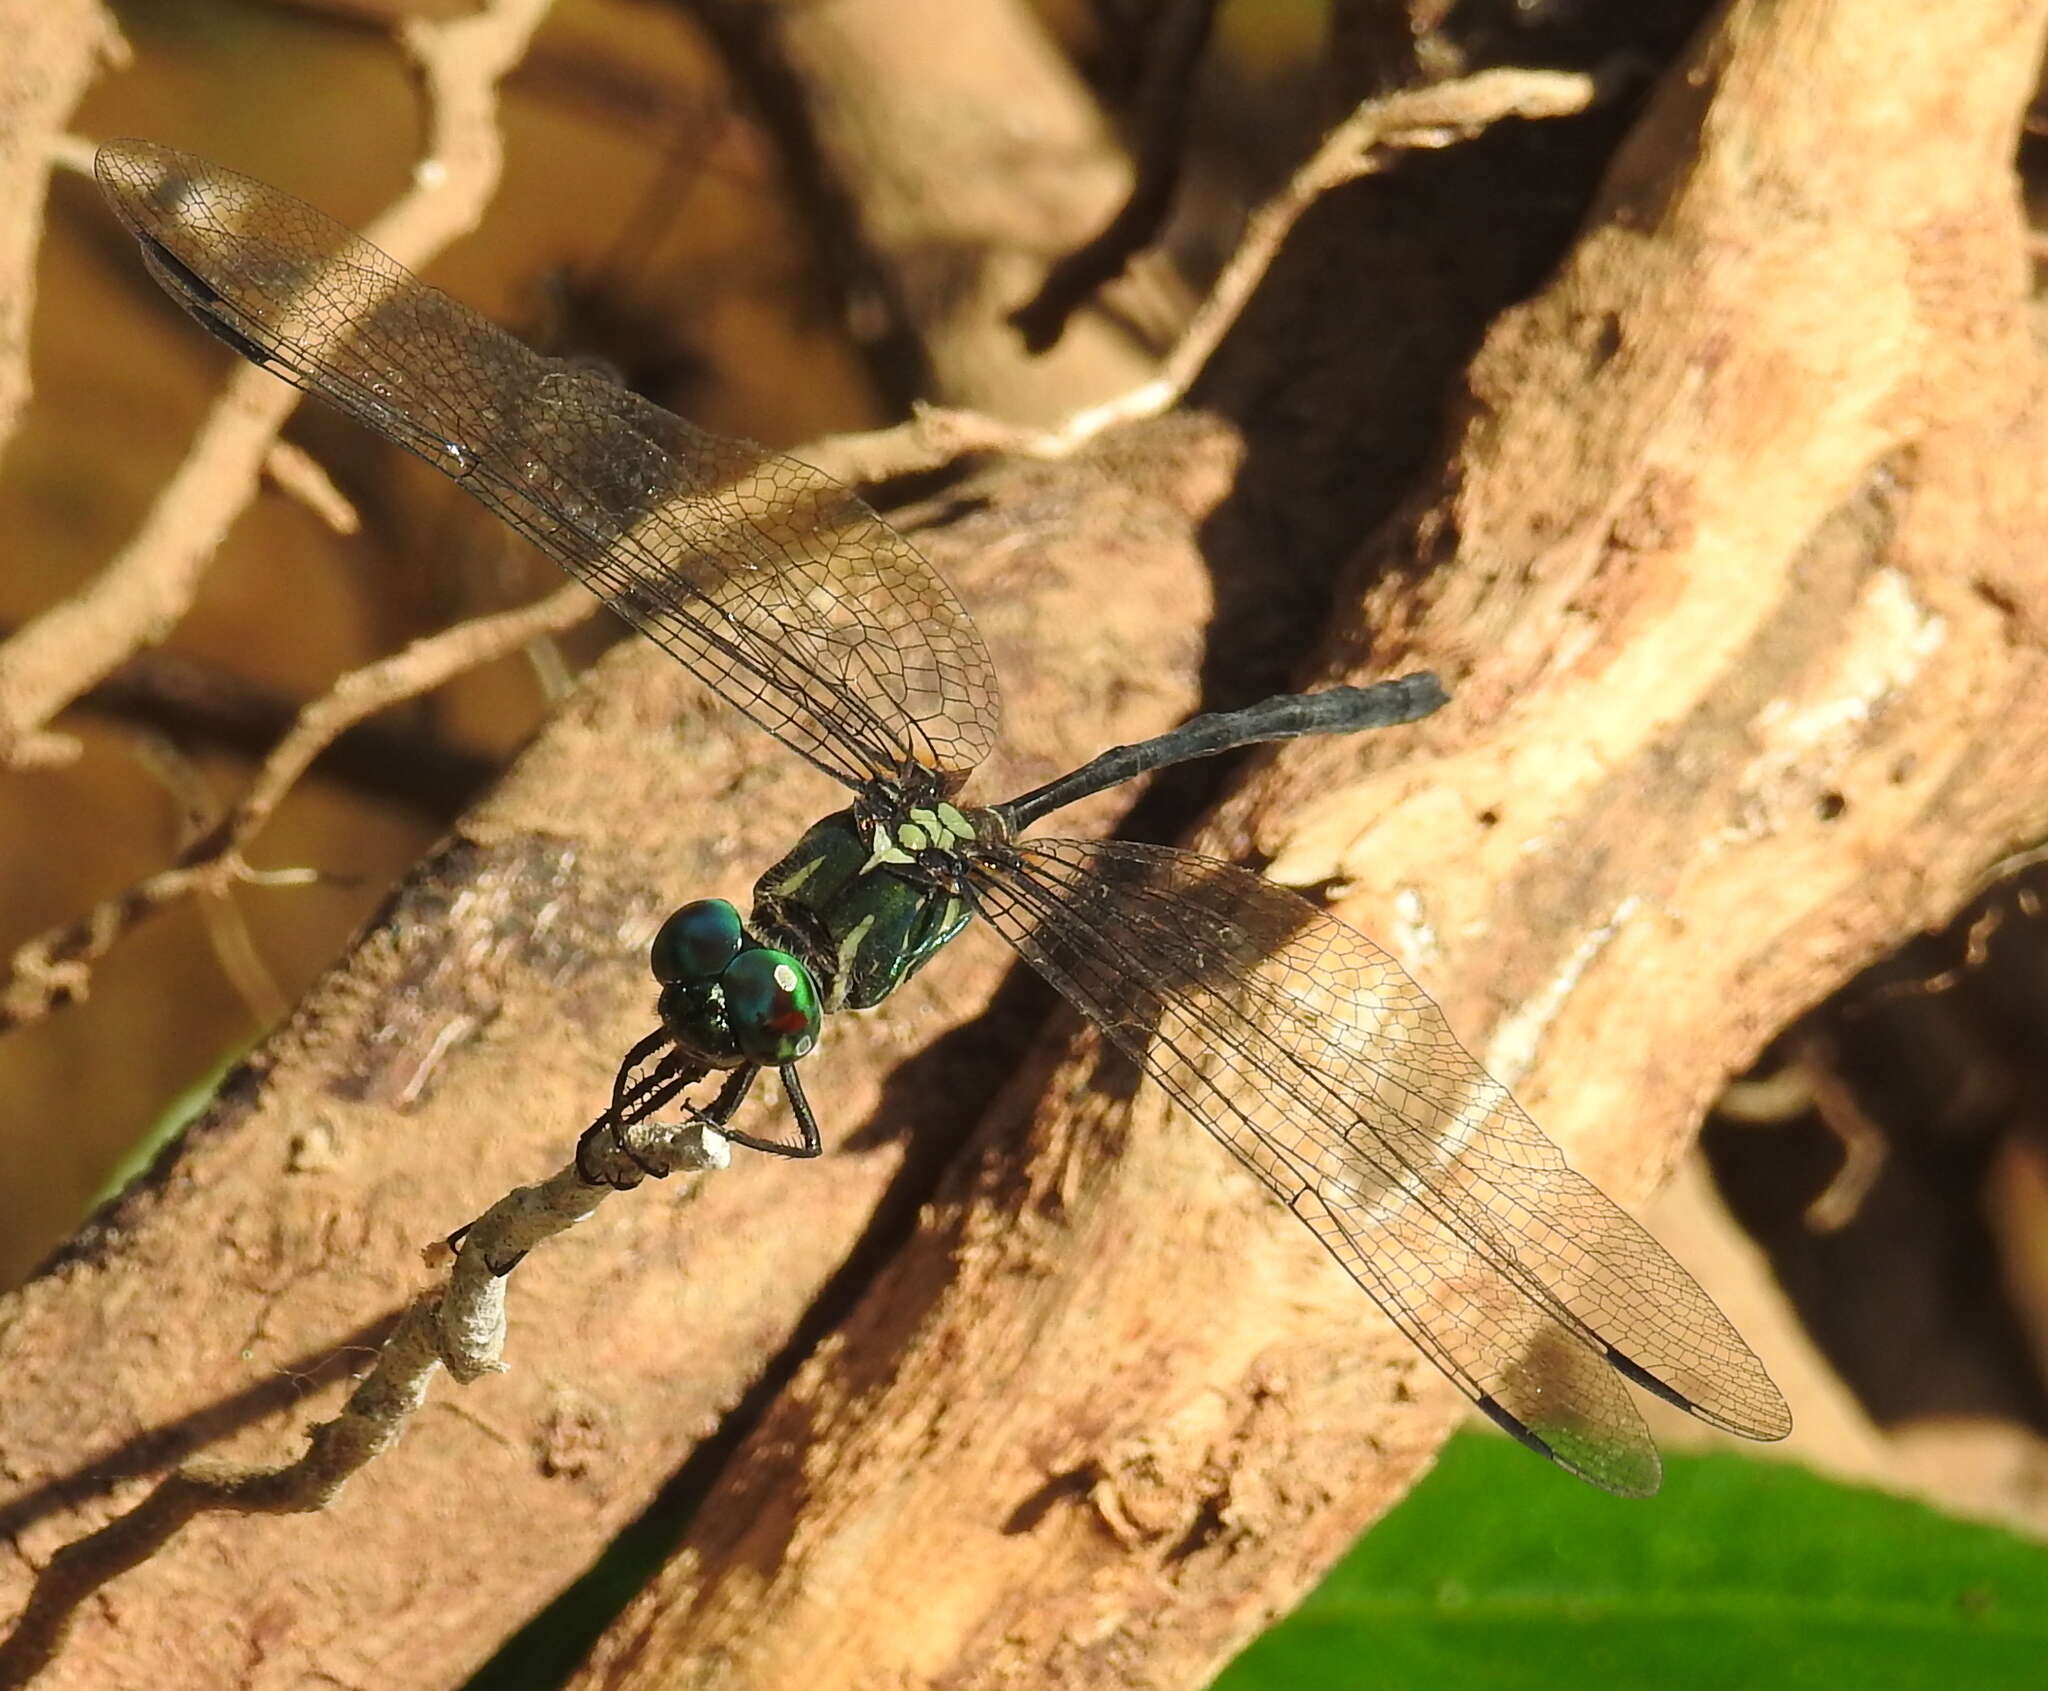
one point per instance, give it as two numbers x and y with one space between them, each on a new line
859 899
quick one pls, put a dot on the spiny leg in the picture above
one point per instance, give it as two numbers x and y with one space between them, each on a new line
625 1105
809 1145
635 1097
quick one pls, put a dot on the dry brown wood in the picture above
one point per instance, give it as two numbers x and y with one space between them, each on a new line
967 171
52 54
1734 568
1728 566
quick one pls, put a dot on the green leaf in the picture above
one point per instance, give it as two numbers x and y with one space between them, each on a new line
1502 1573
176 1116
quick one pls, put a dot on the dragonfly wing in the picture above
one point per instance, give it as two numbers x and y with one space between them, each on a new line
1324 1069
762 574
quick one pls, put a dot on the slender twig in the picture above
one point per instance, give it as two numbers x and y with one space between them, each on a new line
1865 1146
298 473
234 947
1364 143
460 1328
149 585
199 705
54 968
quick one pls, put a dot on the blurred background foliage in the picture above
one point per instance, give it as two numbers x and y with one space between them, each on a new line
1743 1573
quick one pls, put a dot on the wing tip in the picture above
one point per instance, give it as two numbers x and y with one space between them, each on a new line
1629 1472
1763 1414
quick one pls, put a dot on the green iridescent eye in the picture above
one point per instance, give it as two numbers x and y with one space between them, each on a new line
773 1005
697 942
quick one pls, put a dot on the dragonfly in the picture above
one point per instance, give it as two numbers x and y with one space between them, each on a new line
1301 1046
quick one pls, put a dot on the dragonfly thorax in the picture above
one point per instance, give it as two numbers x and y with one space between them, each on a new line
866 897
870 893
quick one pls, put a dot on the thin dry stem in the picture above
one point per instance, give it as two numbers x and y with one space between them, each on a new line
1865 1149
299 474
461 1328
143 592
55 967
53 53
1367 141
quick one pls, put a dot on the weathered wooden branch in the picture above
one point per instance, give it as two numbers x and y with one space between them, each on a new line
1734 567
53 52
1730 559
962 174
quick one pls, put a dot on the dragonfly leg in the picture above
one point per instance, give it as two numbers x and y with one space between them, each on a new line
806 1123
809 1143
730 1096
637 1092
622 1086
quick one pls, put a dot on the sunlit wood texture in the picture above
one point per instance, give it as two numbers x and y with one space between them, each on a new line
1733 562
1722 543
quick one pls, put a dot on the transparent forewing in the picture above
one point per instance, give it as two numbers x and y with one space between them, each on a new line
765 576
1325 1070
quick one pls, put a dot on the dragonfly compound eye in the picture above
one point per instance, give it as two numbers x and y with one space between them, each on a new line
697 942
773 1005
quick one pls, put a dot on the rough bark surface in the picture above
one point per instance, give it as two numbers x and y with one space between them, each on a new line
1733 568
1730 558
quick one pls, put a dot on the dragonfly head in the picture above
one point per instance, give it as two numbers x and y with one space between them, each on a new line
726 997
